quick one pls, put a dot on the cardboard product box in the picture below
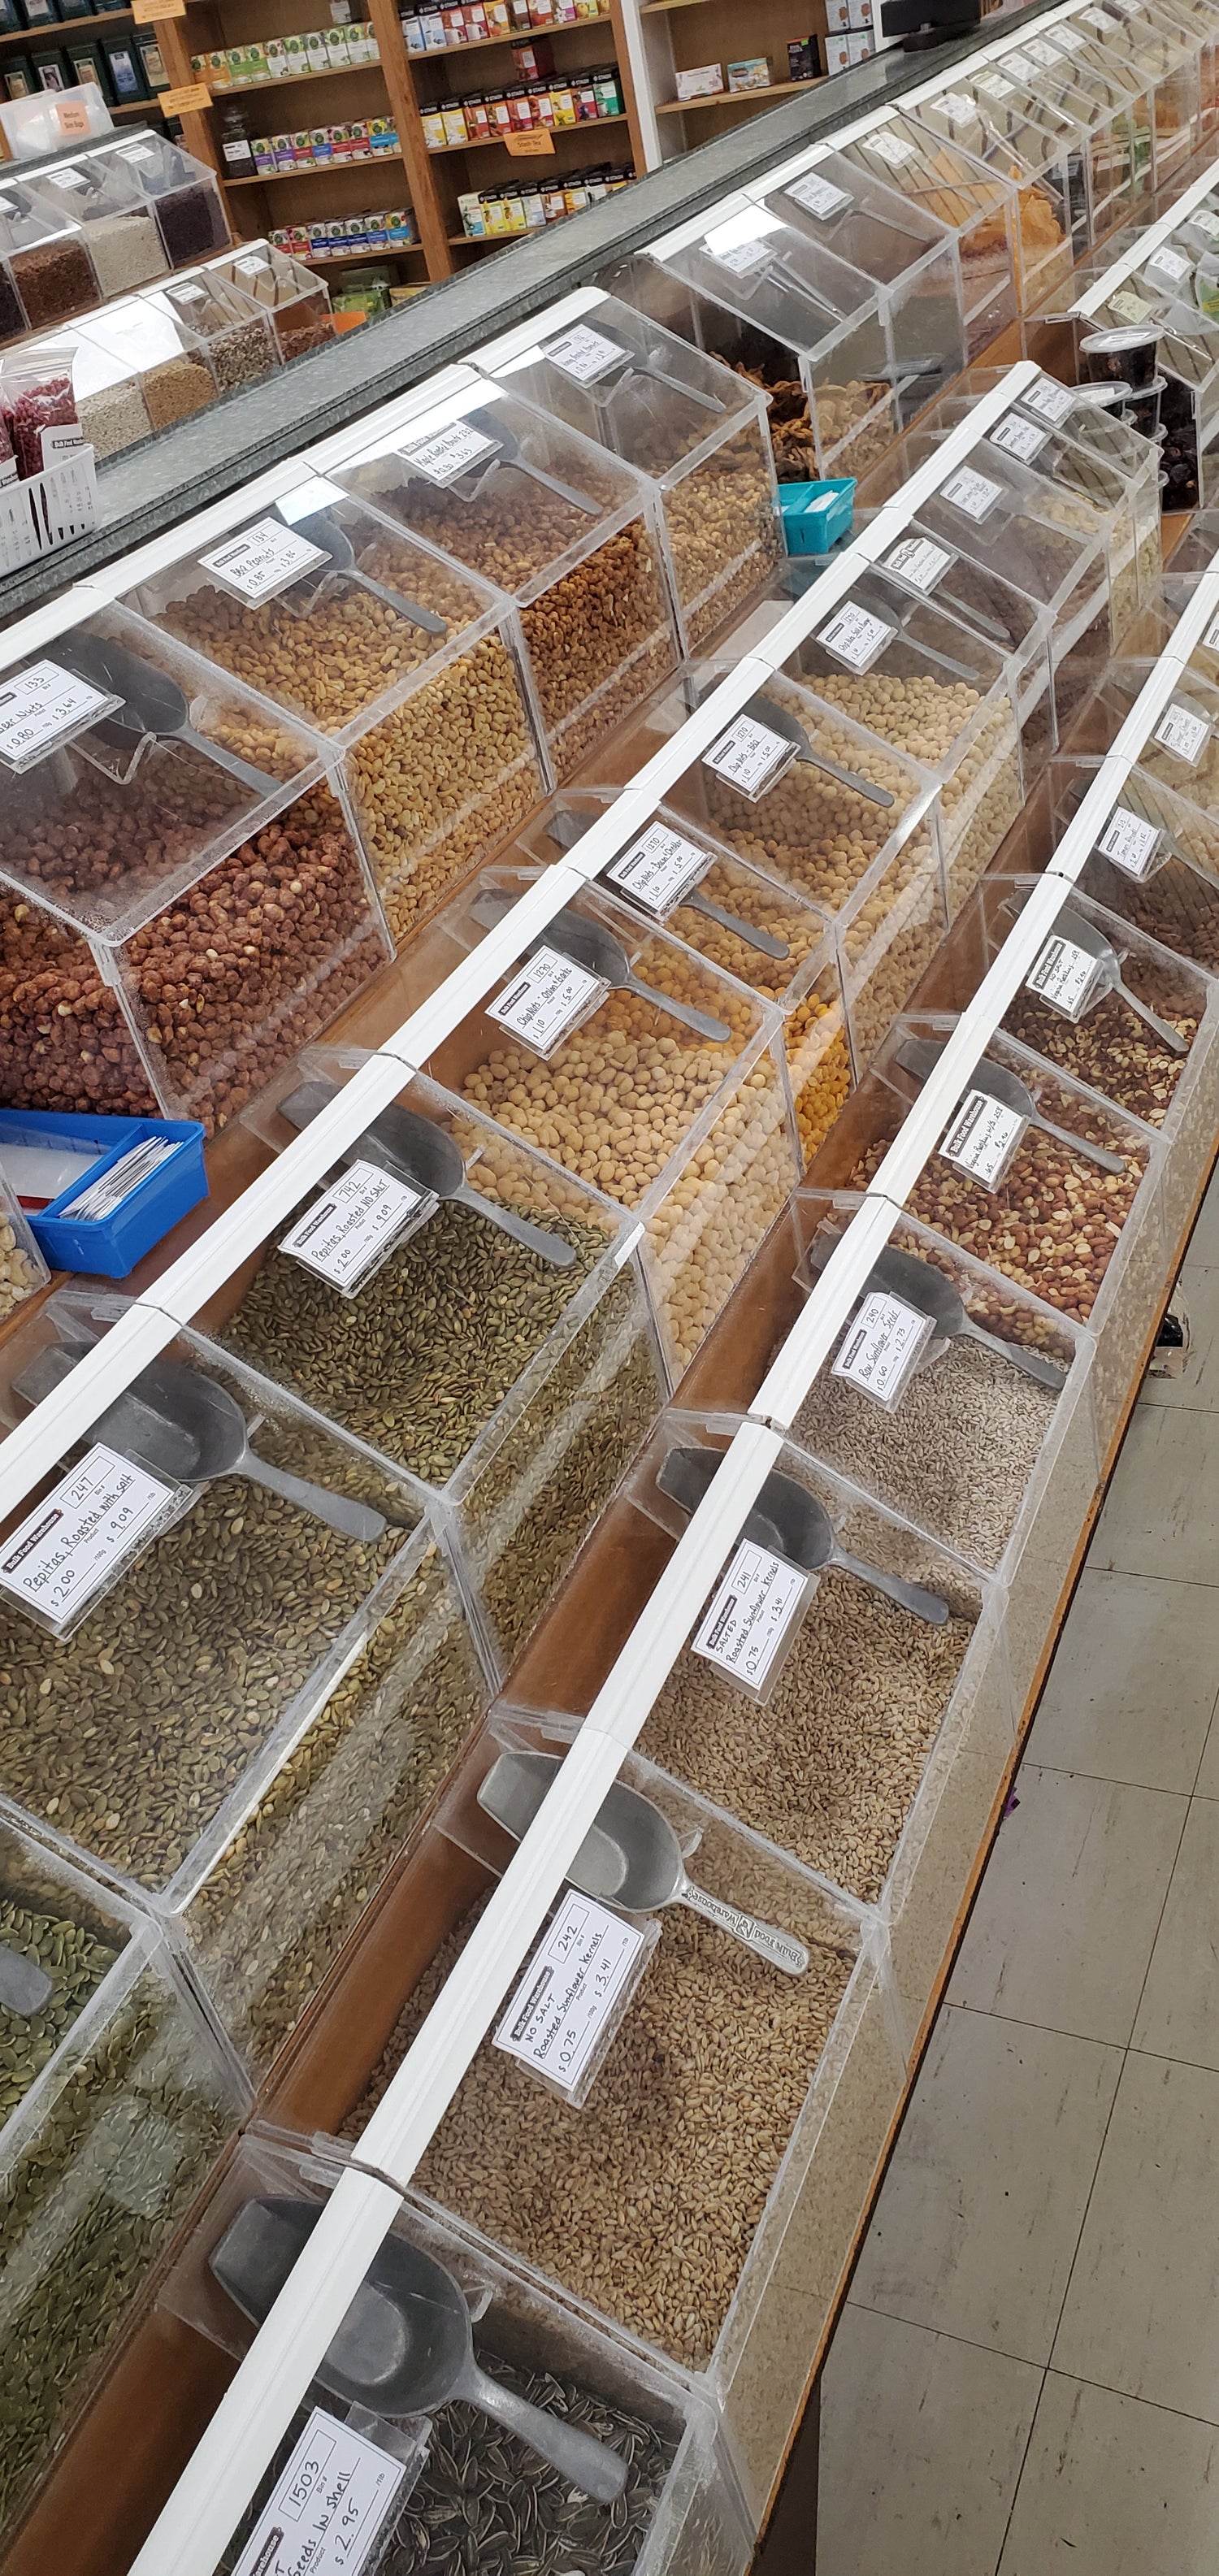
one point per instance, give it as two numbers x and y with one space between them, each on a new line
702 80
860 47
751 74
263 148
432 121
315 51
837 56
478 117
19 77
75 9
607 83
37 15
859 16
86 63
534 62
125 68
412 32
321 146
804 60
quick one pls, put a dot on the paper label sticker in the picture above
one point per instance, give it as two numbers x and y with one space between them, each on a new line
970 492
263 560
819 196
571 1987
957 101
1050 400
983 1138
584 354
352 1225
1211 638
1069 40
1205 222
1182 732
546 999
1019 63
658 868
329 2504
993 85
1130 841
855 636
1044 54
749 756
919 562
741 258
72 117
750 1614
79 1536
1064 976
451 452
1129 307
1018 437
883 1347
892 148
40 707
1169 263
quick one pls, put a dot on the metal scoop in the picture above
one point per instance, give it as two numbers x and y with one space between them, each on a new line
323 530
509 447
430 1160
153 704
590 945
25 1987
565 829
176 1422
930 1292
631 1854
793 1525
767 711
919 1056
405 2346
1084 934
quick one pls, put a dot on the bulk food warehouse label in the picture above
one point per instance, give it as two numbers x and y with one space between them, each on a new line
983 1138
328 2507
658 868
263 560
584 354
547 999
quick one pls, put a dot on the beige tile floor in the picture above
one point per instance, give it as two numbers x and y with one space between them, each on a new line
1026 2377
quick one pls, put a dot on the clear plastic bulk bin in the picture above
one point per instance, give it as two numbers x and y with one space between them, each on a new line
523 502
840 821
116 2104
106 389
977 206
22 1268
1166 63
295 300
1067 1228
657 1080
741 921
183 900
907 255
739 2107
149 336
686 424
236 334
242 1721
410 668
1050 83
996 133
679 2511
183 194
1180 752
509 1375
102 194
46 274
1201 35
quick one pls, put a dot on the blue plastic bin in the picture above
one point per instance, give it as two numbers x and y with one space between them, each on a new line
111 1245
816 515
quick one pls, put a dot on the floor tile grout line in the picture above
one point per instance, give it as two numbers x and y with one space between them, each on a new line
1154 2405
945 2334
1024 2461
1143 2052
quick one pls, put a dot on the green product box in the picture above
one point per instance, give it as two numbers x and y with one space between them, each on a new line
52 71
19 77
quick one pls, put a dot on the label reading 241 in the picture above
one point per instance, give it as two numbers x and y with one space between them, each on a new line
263 560
750 1614
919 562
973 493
983 1138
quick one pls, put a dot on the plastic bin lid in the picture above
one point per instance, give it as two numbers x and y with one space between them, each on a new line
864 220
622 379
776 275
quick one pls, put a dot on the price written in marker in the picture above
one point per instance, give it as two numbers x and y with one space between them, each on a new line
659 868
1130 841
1064 976
750 756
973 493
584 354
571 1991
80 1535
854 636
984 1138
43 706
750 1615
1183 731
546 1000
352 1227
883 1347
819 196
537 145
328 2507
263 560
450 452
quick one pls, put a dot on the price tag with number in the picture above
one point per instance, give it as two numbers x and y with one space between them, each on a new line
78 1539
569 2002
819 196
883 1347
973 493
328 2508
1065 976
993 85
1050 401
918 561
984 1138
1183 732
658 869
741 258
1130 307
1131 842
583 354
450 453
354 1226
547 1000
892 148
43 707
749 756
263 560
1168 263
1018 437
751 1617
854 636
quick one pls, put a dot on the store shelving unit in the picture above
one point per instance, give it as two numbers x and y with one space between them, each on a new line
18 40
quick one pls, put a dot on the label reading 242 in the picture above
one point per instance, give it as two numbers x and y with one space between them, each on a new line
573 1984
451 452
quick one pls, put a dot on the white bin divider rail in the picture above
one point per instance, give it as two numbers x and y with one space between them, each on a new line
1086 824
1149 241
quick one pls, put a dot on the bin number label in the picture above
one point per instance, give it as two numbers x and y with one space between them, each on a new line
328 2507
1130 841
750 1614
983 1138
263 560
573 1984
883 1347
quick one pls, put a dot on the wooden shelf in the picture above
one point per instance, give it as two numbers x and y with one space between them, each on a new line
323 170
137 107
519 36
290 80
357 258
732 97
488 142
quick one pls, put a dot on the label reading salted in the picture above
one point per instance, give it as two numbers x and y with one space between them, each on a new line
329 2504
40 707
1182 731
352 1224
819 197
1018 437
572 1985
883 1347
750 1613
1064 975
1130 841
546 999
584 354
855 636
892 148
973 493
79 1536
263 560
749 755
919 562
983 1138
659 867
451 452
1049 400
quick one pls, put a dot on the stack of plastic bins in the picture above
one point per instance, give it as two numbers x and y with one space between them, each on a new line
183 901
1046 79
680 1114
182 194
249 1720
294 298
1087 1240
784 311
942 694
842 823
686 424
46 274
116 2103
1051 228
1155 882
101 194
1200 33
573 534
907 255
1109 1048
411 669
235 331
1166 64
1123 184
510 1382
977 206
681 2513
1179 757
106 389
739 2110
765 934
148 337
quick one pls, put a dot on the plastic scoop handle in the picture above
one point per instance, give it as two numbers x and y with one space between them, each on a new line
351 1519
587 2464
566 829
716 1031
779 1949
766 711
1167 1035
510 454
548 1247
322 530
908 1596
1034 1364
